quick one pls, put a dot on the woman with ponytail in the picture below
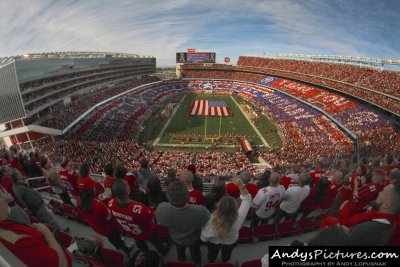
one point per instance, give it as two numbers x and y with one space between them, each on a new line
222 229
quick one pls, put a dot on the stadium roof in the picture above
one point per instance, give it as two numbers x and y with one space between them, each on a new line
343 59
5 61
77 54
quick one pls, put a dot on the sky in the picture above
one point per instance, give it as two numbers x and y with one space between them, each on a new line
230 28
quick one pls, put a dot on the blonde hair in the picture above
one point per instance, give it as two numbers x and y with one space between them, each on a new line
224 217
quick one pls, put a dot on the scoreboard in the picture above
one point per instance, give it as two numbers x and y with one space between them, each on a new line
196 57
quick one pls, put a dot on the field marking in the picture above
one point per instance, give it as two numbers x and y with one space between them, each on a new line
195 145
252 124
155 143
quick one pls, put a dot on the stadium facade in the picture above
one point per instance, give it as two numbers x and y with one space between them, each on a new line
33 84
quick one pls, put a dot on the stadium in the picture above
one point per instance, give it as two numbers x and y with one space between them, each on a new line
325 124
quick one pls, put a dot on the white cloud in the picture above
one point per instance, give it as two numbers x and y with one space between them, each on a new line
160 28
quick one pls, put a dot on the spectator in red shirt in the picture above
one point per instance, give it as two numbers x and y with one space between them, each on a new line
333 187
361 198
195 196
109 179
96 214
134 218
84 172
69 177
317 173
34 246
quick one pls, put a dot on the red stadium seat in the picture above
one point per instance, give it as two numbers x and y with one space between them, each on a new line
306 224
265 231
164 232
219 264
287 228
244 234
179 264
69 212
113 258
252 263
56 206
64 239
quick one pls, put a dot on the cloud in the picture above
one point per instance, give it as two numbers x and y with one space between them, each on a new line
160 28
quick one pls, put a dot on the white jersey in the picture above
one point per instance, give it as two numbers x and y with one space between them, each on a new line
268 200
293 198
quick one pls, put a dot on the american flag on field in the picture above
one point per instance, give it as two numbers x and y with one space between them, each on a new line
209 108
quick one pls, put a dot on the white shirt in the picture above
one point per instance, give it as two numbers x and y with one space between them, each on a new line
208 235
293 197
267 200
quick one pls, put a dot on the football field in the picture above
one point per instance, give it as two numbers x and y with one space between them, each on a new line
183 129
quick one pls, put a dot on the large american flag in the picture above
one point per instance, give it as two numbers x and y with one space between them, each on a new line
209 108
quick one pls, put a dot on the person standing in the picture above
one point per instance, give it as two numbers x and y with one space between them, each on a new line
221 232
184 221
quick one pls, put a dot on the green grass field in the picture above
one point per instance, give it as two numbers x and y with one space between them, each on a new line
184 129
181 124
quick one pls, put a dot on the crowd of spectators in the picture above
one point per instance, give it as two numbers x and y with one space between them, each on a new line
384 81
253 73
63 115
361 197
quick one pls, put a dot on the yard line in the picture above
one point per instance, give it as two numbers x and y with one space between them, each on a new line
252 124
167 123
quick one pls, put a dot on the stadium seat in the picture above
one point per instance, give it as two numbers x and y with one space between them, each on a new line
252 263
306 224
319 219
113 258
64 239
265 231
179 264
56 206
219 264
68 212
244 234
287 228
164 232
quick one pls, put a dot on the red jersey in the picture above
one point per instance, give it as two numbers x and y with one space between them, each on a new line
87 180
316 175
70 179
14 163
28 245
97 218
327 201
196 197
352 179
288 181
367 193
134 218
309 203
362 198
108 181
